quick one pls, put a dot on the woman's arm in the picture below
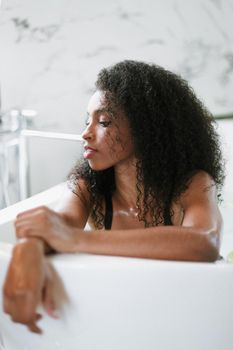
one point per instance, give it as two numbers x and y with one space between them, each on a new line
198 239
30 279
75 208
72 211
29 282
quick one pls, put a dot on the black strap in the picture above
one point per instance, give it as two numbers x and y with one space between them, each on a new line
108 212
167 216
108 215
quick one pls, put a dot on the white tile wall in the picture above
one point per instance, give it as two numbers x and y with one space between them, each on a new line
51 52
226 131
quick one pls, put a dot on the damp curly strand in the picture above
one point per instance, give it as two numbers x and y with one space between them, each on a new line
174 137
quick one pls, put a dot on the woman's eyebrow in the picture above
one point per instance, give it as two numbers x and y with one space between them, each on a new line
101 110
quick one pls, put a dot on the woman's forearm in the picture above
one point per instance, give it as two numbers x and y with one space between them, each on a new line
36 243
165 242
28 283
160 242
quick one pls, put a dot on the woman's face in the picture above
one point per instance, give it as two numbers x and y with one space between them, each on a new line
107 138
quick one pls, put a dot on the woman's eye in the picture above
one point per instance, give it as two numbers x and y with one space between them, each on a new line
105 124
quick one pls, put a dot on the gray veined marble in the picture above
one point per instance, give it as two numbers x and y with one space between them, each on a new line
56 49
51 51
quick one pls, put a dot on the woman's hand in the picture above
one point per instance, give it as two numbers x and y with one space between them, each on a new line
29 281
51 227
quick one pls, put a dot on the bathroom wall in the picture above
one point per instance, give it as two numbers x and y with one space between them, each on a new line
51 52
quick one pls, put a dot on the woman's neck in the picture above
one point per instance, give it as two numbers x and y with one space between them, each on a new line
126 181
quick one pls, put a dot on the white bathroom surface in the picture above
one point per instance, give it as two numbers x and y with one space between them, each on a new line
126 303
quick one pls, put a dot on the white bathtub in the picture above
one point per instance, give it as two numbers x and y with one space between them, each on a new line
126 303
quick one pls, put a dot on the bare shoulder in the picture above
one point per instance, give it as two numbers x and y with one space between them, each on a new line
74 204
202 179
200 187
80 191
200 205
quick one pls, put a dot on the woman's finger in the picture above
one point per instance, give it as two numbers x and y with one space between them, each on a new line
48 299
34 328
32 211
6 301
23 228
29 228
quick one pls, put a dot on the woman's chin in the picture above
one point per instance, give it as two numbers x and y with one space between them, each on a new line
98 167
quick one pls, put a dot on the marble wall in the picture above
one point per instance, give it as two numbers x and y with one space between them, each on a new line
51 51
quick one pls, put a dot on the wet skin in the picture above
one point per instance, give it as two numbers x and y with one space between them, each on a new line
194 236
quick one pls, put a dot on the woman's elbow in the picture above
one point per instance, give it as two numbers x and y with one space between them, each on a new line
212 246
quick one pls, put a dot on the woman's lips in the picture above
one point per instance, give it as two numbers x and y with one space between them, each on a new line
89 152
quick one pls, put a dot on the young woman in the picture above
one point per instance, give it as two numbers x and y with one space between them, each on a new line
148 185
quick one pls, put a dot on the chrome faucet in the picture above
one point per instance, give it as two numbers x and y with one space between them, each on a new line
11 124
14 136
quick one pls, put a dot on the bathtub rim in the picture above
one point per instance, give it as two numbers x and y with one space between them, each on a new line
48 198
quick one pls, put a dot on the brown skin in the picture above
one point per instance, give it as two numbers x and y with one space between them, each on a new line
197 238
194 236
29 281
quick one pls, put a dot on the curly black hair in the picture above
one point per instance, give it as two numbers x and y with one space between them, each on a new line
174 137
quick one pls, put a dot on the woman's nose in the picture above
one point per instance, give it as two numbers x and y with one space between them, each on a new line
87 133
